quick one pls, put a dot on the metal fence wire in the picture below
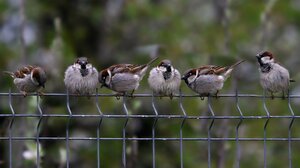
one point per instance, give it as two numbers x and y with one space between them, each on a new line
212 117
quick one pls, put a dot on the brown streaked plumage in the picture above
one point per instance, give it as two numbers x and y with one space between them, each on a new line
123 78
208 79
273 76
29 79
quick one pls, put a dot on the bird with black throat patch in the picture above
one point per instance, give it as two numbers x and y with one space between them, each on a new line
164 79
81 78
273 76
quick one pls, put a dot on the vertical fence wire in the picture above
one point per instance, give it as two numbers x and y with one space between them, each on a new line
290 130
153 131
124 132
67 131
11 122
209 130
265 128
181 127
98 129
38 131
238 150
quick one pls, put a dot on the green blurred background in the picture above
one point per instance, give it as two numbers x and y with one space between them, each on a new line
190 33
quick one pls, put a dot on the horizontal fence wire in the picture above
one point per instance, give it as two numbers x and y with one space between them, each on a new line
156 116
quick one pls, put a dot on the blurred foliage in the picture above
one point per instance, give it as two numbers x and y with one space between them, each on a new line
191 33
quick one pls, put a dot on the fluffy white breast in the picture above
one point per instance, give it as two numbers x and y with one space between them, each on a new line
156 78
161 86
207 84
276 80
76 83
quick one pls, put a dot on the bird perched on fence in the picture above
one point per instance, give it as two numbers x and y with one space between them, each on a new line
81 77
164 79
123 78
273 77
208 79
29 79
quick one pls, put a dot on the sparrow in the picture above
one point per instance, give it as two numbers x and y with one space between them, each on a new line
81 78
29 79
164 79
273 77
208 79
123 78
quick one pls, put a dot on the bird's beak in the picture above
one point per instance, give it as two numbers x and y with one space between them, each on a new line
83 64
258 56
183 78
168 67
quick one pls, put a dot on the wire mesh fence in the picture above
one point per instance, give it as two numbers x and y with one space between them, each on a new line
123 137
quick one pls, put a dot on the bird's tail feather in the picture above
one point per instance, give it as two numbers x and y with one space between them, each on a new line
146 65
236 64
230 68
9 73
150 62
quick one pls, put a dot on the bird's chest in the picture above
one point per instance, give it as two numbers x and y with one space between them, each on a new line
124 82
167 75
207 83
81 75
271 77
275 80
25 84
